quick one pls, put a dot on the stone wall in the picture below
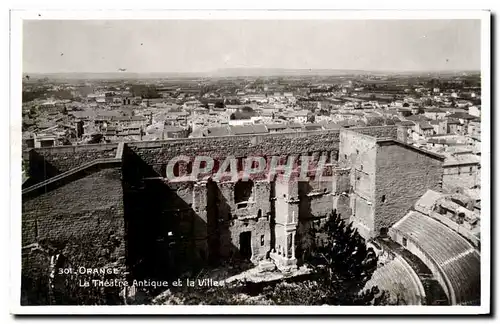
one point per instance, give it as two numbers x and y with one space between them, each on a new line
467 176
252 216
166 226
358 152
177 225
50 161
159 153
83 221
403 175
377 131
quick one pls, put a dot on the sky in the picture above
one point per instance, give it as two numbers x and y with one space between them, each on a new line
144 46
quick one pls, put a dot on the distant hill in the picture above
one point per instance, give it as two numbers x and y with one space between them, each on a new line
233 72
255 72
108 75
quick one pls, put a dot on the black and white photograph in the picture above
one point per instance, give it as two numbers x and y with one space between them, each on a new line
252 159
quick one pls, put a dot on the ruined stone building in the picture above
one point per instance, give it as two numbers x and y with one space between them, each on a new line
113 204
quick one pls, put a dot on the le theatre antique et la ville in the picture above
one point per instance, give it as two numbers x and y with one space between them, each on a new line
251 187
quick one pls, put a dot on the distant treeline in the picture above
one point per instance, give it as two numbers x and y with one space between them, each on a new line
28 96
32 95
145 91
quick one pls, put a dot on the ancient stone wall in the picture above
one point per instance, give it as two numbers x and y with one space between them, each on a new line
83 221
50 161
378 131
159 153
455 177
403 175
358 152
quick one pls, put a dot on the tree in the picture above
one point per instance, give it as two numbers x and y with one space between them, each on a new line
342 265
343 262
62 94
28 96
144 91
324 112
219 104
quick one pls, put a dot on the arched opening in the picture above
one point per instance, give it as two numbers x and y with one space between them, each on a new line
243 191
383 198
383 232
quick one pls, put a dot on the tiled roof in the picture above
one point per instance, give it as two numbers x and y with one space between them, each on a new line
462 159
294 125
275 126
407 123
451 121
331 126
311 127
461 115
248 129
417 118
425 125
128 118
434 110
172 129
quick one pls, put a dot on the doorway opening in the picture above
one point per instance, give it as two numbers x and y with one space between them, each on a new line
246 245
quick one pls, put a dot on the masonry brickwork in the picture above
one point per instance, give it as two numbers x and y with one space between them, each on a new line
402 176
48 162
83 220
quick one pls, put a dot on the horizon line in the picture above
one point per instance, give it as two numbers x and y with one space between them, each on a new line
257 69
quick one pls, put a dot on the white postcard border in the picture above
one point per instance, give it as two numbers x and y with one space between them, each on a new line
15 156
